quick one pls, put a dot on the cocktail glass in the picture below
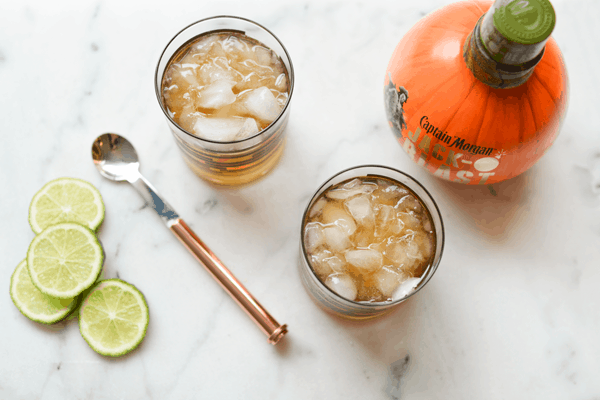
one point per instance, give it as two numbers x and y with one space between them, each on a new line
331 301
237 162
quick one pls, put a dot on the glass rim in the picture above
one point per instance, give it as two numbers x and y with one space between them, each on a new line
157 89
422 283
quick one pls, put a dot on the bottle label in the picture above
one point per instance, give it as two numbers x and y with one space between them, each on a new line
444 154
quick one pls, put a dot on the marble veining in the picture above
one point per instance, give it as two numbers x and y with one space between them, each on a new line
397 371
512 312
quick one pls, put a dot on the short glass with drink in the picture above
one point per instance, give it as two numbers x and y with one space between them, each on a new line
225 84
371 237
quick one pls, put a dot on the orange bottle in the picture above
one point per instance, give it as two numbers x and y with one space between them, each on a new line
476 92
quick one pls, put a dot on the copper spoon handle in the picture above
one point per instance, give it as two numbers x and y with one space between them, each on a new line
240 294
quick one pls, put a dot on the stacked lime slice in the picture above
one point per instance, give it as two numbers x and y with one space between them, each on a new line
66 200
34 304
64 260
113 318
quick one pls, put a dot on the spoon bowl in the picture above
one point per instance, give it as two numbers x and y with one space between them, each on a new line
115 157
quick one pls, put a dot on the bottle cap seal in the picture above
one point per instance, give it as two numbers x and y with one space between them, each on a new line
525 21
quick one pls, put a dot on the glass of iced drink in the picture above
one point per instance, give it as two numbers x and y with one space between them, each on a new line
371 237
224 84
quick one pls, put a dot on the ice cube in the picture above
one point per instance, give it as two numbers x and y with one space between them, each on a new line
188 117
350 190
235 46
184 75
352 184
218 129
408 203
216 95
264 56
343 194
210 72
385 214
361 210
281 83
410 220
343 285
401 251
383 183
335 263
396 226
424 242
317 207
194 56
367 260
363 238
249 128
248 82
333 214
170 92
264 71
282 98
412 248
216 50
427 224
397 190
378 246
405 288
389 193
324 262
313 236
388 280
321 255
320 266
387 223
262 104
336 238
204 44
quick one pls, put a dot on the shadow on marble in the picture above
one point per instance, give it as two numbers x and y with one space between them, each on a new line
284 346
397 338
383 336
57 327
491 210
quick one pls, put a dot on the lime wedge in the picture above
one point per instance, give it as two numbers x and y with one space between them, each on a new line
64 260
113 317
34 304
66 200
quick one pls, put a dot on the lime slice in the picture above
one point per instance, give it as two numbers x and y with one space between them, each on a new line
66 200
113 317
64 260
34 304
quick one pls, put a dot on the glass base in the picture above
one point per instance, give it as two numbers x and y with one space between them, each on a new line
239 176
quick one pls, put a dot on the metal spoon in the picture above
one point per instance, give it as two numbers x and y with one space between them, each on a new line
117 160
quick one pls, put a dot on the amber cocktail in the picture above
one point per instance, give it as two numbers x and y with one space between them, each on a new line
224 84
371 237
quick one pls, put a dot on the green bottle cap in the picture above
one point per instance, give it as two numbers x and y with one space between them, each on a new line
525 21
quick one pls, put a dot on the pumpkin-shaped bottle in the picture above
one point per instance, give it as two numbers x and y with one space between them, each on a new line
476 92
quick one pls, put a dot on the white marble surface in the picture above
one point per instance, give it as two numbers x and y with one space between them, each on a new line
512 313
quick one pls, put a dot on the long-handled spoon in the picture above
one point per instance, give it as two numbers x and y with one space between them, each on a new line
117 160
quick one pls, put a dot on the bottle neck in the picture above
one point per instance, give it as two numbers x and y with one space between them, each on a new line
507 65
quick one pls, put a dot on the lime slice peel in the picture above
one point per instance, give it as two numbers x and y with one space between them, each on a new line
34 304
